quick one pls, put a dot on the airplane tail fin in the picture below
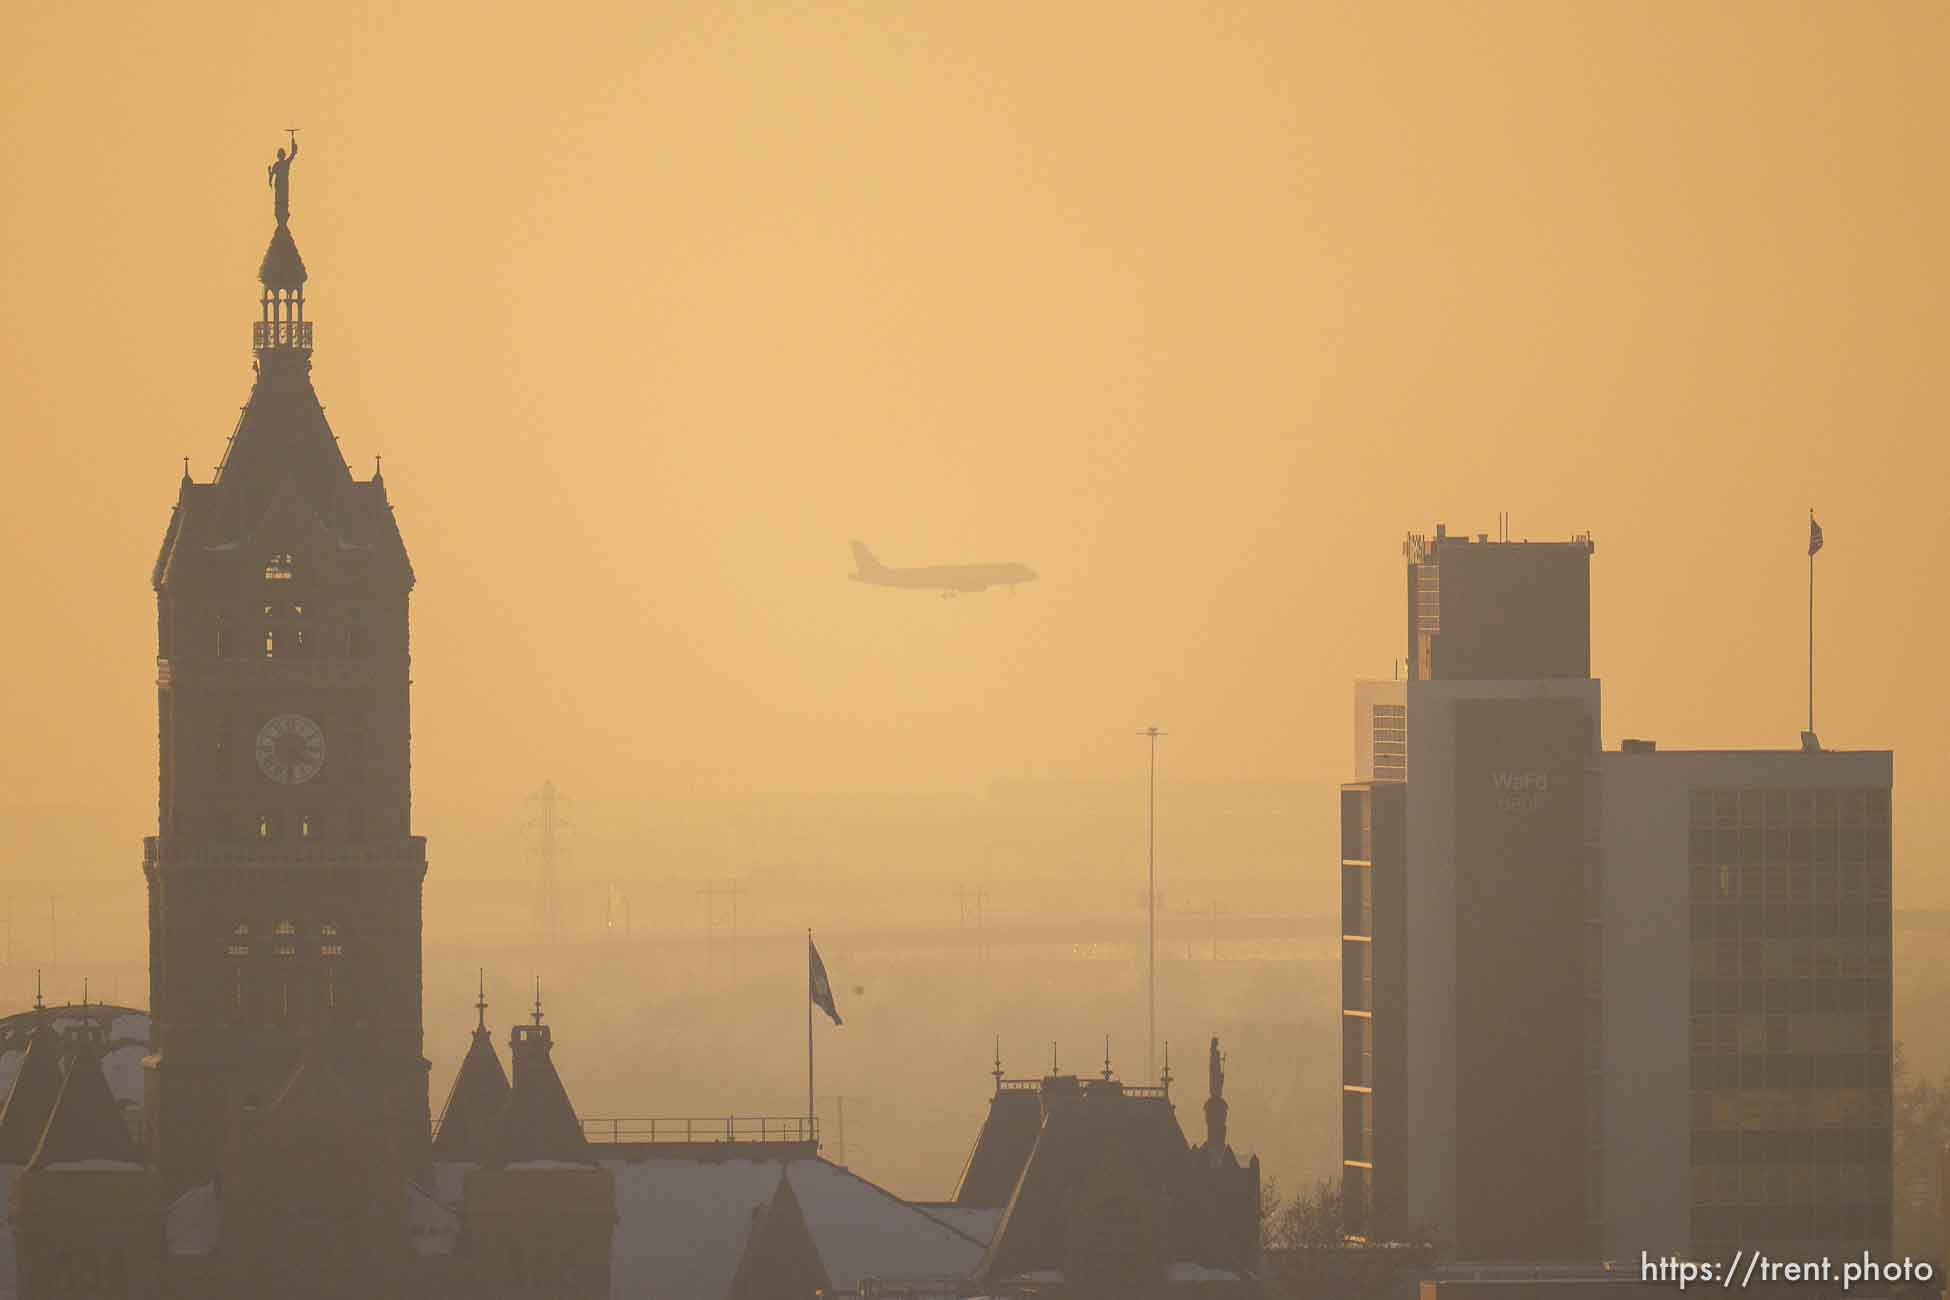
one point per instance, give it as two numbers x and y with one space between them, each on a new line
863 559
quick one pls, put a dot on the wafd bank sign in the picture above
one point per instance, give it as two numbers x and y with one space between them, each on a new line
1519 854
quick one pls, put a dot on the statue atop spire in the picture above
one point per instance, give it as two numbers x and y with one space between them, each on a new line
278 176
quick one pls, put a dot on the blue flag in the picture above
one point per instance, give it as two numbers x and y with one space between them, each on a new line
817 985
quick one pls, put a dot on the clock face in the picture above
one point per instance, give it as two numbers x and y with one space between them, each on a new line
290 749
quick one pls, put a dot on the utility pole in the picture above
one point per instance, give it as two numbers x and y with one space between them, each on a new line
616 896
981 927
1151 908
710 894
839 1104
547 829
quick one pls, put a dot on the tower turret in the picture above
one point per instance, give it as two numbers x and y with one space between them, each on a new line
86 1212
284 876
541 1214
480 1093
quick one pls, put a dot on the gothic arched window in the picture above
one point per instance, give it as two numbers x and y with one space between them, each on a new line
279 567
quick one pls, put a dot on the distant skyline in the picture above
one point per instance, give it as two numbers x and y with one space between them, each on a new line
649 312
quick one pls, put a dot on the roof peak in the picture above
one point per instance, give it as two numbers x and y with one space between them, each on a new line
86 1121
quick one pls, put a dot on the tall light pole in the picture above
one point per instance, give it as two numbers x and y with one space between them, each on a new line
1151 909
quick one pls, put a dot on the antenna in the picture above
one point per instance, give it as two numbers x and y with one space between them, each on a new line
538 999
1151 903
1106 1058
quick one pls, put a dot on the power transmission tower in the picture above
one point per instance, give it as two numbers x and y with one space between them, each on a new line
547 831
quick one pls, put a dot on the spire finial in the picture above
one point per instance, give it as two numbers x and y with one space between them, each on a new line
1052 1056
480 1003
998 1063
1106 1058
538 999
38 1004
1165 1078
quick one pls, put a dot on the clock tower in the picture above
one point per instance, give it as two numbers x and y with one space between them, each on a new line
284 876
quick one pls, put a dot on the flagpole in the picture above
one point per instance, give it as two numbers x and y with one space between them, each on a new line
812 1116
1811 623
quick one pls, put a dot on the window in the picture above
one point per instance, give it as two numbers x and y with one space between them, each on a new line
267 826
328 930
308 827
279 567
284 929
331 950
270 643
287 950
1390 735
238 950
242 931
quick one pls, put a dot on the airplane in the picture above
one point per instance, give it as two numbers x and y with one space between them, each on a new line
952 579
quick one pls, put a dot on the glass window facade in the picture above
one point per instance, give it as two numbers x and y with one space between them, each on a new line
1790 1033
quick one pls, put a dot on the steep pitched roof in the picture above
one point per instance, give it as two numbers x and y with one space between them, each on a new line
282 471
480 1091
780 1260
538 1122
1001 1149
86 1123
683 1220
1102 1129
31 1101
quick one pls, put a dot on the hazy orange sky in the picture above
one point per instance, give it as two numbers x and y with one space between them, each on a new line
1194 308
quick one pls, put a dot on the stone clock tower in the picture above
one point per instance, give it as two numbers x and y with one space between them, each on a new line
284 877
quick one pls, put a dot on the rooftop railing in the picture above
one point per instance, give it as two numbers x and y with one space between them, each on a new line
694 1129
715 1128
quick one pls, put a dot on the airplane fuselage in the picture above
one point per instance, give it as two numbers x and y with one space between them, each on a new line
949 579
